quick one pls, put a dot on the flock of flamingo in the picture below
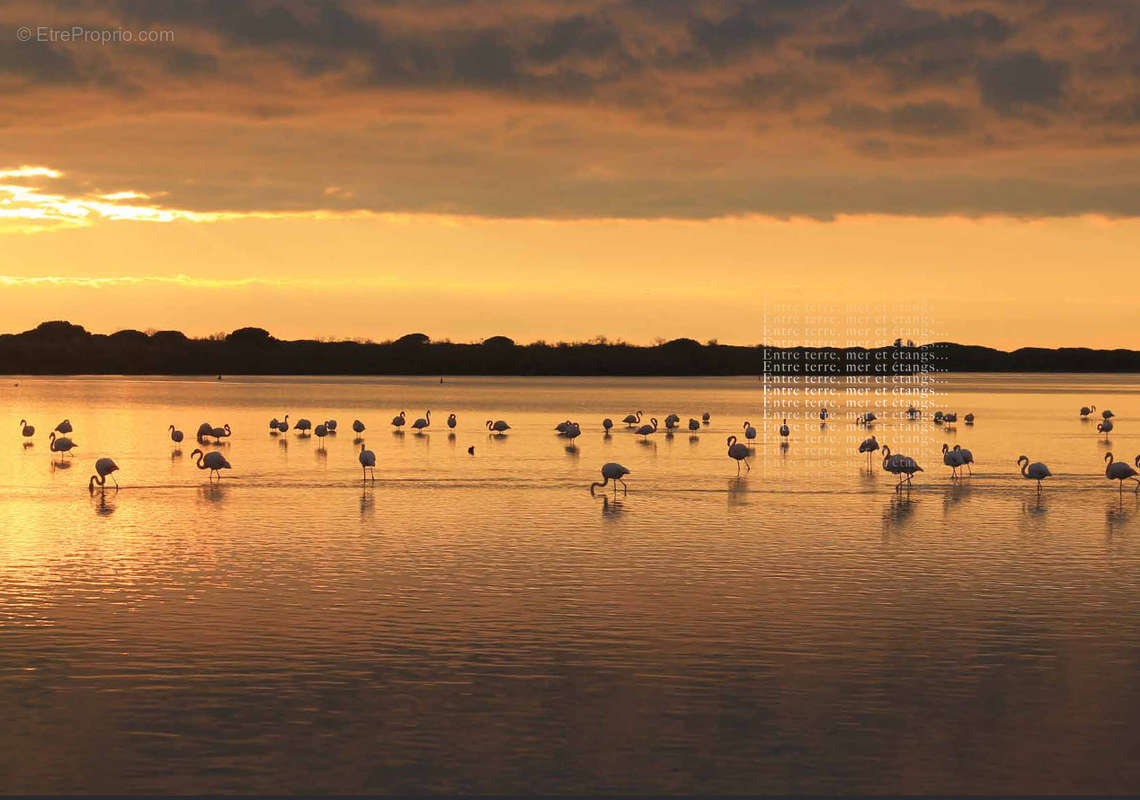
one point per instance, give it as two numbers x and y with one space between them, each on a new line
903 466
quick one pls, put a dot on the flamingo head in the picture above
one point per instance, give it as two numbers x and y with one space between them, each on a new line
731 441
1021 459
1108 457
945 447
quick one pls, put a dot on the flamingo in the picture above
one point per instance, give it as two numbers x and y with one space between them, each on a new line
26 430
574 431
739 452
213 461
204 430
937 417
672 421
60 445
913 413
694 425
330 425
64 427
321 431
367 461
400 419
607 423
422 422
1106 414
785 430
283 425
1121 471
950 417
823 414
1104 427
1033 472
562 427
452 421
611 471
705 418
749 432
967 457
908 466
969 418
498 426
952 459
175 435
220 433
303 425
869 446
645 430
630 420
103 468
1086 410
273 423
890 462
869 417
358 426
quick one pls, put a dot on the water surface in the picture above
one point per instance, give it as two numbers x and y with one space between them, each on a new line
480 623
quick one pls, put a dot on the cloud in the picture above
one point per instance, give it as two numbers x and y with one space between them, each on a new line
931 119
1016 81
583 107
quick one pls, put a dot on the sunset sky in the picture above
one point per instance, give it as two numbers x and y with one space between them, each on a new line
561 170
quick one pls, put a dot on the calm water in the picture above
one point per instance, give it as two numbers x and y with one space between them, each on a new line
482 624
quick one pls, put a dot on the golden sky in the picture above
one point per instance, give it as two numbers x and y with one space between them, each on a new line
562 171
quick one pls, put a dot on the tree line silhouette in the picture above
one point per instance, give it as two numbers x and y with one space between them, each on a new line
61 348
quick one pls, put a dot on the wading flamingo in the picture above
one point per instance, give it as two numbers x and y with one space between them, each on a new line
645 430
1104 427
61 444
967 457
400 419
213 461
630 420
423 421
1121 471
498 426
952 459
175 435
611 471
1033 472
103 468
749 432
367 462
26 430
739 452
869 446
